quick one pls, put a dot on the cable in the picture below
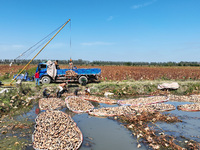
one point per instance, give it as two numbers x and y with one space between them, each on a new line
21 55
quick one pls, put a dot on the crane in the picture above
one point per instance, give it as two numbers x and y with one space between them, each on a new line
11 83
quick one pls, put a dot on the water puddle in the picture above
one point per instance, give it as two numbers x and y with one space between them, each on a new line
103 133
189 128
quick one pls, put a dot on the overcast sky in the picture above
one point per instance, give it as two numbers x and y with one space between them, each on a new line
107 30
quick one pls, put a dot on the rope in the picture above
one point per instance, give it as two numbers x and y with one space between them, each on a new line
44 41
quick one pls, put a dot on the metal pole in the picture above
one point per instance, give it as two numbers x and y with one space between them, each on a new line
39 52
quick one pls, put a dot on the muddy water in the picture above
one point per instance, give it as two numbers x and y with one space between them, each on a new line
98 133
104 133
189 128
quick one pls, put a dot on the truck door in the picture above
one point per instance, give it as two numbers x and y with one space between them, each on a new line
42 68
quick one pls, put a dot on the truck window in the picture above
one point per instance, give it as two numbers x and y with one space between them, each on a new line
42 66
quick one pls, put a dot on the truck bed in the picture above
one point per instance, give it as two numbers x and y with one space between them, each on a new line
82 71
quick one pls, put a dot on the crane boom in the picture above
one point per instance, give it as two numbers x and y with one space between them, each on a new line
38 52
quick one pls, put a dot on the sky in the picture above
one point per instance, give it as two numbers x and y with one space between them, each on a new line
102 30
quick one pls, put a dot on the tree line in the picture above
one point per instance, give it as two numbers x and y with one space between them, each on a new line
101 63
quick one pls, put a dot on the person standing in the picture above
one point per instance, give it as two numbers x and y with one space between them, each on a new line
70 64
37 78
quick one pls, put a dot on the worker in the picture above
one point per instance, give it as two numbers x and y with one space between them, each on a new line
62 88
87 91
74 67
37 78
70 64
45 94
76 91
56 63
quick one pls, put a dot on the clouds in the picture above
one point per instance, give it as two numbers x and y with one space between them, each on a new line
143 5
97 44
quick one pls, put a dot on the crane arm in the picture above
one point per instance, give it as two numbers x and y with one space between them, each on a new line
38 52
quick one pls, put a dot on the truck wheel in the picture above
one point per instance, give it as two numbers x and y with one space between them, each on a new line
46 80
83 80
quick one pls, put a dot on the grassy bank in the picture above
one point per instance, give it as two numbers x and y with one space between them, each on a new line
19 97
128 88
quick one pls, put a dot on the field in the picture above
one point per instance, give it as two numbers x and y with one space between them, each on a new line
134 81
6 69
120 73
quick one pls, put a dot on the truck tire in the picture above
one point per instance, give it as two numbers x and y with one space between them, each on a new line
83 80
46 80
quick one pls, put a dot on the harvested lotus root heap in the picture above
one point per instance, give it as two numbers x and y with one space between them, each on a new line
71 73
112 111
154 107
143 100
78 105
51 103
191 98
123 110
189 107
180 98
100 99
56 130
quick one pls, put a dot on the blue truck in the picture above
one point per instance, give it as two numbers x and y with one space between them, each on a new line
82 75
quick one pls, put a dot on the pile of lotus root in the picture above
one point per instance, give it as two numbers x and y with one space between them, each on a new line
191 98
100 99
51 103
189 107
56 130
71 73
157 139
144 100
123 110
78 104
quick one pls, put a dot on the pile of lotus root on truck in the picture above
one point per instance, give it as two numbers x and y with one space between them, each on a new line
71 73
56 130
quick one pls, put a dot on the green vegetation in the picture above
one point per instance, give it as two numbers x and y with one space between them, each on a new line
102 63
143 88
12 143
16 98
5 76
31 71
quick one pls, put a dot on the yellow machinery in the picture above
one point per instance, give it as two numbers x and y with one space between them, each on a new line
11 83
